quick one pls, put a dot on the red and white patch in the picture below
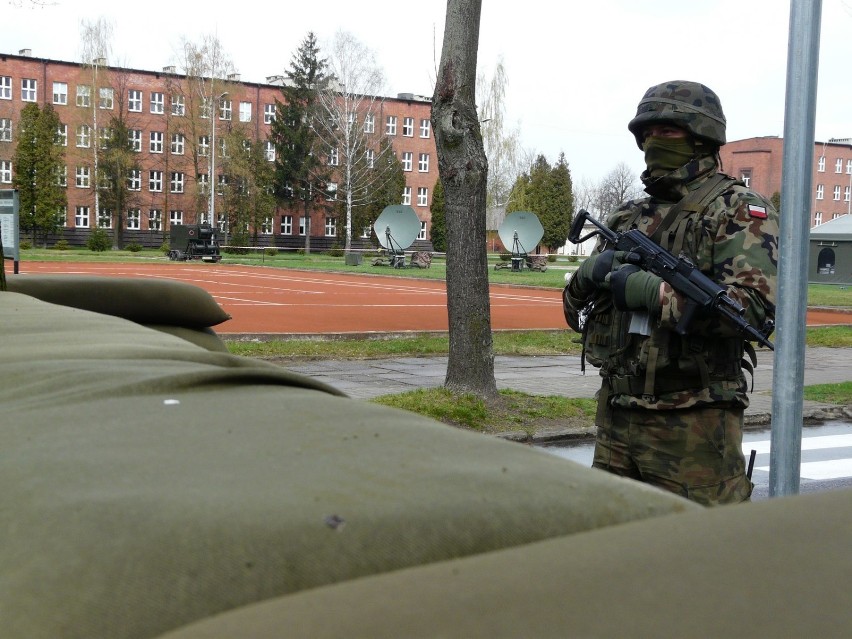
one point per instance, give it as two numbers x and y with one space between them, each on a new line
757 211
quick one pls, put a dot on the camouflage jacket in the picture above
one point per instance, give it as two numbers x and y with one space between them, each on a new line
734 241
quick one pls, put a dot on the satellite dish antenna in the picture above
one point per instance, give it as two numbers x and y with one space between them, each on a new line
522 231
397 227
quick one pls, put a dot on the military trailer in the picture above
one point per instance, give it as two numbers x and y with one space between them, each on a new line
193 242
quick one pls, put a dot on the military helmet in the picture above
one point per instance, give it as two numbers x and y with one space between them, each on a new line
689 105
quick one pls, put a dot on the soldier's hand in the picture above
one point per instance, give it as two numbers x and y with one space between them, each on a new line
634 289
594 271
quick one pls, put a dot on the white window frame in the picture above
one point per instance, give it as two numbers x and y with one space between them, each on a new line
155 219
203 181
134 100
83 136
817 218
838 165
333 156
268 113
422 234
302 225
369 123
176 182
29 90
136 139
836 192
62 176
226 107
105 219
370 156
406 196
821 164
178 144
155 142
425 128
178 105
134 180
820 192
408 127
61 135
155 181
846 193
423 163
330 226
134 219
269 148
175 217
82 217
84 95
331 191
83 177
422 196
204 146
60 93
390 125
5 171
5 87
407 160
5 129
106 98
245 111
158 102
286 225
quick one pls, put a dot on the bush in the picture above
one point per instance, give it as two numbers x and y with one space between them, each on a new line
99 241
134 247
271 251
165 248
572 258
61 245
551 257
336 252
25 245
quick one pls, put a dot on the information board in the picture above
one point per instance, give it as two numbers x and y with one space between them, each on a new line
10 225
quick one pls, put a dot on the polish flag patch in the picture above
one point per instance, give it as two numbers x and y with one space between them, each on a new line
757 211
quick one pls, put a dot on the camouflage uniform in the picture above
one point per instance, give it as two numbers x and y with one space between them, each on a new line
670 409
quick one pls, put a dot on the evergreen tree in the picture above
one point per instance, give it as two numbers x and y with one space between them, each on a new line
38 161
300 175
557 207
388 186
438 230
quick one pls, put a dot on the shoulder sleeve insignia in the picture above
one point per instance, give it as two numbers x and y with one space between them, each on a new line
757 211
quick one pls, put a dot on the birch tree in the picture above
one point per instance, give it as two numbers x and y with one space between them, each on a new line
463 168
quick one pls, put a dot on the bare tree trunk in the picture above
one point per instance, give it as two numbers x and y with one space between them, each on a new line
463 168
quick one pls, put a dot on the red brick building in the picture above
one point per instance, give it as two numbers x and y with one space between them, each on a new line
174 146
758 162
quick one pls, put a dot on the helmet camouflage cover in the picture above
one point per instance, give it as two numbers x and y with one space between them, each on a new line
689 105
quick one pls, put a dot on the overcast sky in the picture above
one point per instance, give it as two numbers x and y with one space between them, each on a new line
576 69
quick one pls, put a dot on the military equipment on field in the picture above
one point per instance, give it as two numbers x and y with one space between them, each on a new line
522 231
396 228
193 242
683 276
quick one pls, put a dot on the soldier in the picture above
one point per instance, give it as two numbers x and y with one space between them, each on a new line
670 407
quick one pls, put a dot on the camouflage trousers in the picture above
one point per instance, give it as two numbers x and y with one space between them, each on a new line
696 453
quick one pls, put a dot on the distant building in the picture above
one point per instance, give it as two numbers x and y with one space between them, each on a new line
172 184
758 163
830 255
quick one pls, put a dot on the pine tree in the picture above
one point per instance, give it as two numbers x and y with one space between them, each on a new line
438 230
300 175
38 160
558 207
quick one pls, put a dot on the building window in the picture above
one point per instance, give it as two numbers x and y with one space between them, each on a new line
821 164
286 225
134 100
245 111
155 181
369 123
330 226
158 103
268 113
203 146
425 128
422 196
62 215
205 108
221 184
367 230
407 161
105 219
333 157
84 95
106 98
423 163
178 143
302 225
266 226
203 181
104 136
849 167
6 171
60 93
134 180
331 191
370 156
155 144
136 140
846 190
81 217
84 136
176 183
406 196
134 219
175 217
826 262
5 87
62 176
5 129
83 179
225 108
29 90
178 105
838 166
408 127
61 135
817 218
390 125
155 220
837 193
422 234
745 177
820 191
270 151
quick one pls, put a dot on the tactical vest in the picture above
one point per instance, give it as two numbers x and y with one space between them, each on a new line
663 362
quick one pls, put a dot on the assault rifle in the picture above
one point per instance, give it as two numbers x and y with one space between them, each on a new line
682 275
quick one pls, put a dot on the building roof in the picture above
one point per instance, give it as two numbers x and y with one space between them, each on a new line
840 228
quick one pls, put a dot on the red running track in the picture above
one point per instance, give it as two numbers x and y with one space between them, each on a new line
272 300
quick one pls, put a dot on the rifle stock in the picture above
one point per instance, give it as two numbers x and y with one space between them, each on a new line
700 292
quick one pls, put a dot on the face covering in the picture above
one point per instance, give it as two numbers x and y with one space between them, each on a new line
667 154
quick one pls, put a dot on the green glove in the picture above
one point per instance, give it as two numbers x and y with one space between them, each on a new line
593 272
634 289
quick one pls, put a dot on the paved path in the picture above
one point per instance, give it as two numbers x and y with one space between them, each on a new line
551 375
